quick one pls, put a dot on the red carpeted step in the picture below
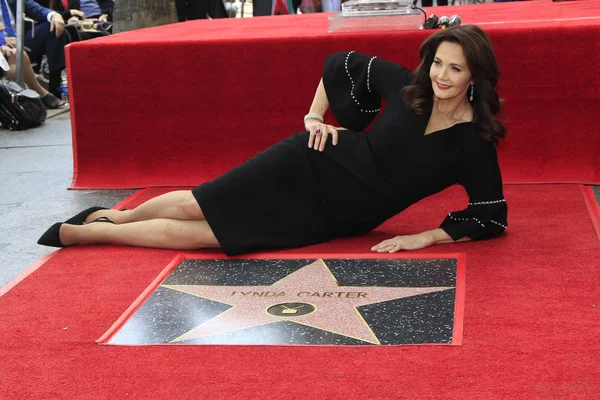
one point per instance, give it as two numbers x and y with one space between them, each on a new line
160 103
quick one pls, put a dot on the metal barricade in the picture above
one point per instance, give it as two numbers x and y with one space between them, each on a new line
20 39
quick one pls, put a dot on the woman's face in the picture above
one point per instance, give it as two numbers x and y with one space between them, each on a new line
449 73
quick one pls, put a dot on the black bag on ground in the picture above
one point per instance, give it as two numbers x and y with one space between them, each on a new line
20 108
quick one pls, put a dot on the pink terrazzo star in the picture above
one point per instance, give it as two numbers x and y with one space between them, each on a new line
335 306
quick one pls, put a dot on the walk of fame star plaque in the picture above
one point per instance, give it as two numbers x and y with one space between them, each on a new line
371 300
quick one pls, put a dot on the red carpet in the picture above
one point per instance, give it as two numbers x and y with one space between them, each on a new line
531 322
182 93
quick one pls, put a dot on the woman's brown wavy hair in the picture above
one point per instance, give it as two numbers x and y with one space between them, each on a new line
481 61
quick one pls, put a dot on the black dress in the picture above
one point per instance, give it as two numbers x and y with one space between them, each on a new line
290 196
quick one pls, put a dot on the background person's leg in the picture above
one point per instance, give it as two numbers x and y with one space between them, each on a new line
181 9
37 48
28 75
197 9
46 42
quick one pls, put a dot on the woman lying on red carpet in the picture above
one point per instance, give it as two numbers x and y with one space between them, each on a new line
438 128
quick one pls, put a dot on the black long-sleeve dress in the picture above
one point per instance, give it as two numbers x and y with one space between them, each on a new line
290 196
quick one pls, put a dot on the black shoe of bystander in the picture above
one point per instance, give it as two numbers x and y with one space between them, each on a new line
52 102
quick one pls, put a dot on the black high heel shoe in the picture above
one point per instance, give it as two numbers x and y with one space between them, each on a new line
51 237
80 218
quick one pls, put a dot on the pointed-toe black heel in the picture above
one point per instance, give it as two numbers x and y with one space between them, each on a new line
51 237
80 218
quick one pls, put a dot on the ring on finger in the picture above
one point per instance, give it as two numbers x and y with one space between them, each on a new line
395 244
318 132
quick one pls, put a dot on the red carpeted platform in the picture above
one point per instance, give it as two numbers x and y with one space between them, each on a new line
153 107
530 326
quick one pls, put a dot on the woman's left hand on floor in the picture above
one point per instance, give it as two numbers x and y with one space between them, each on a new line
410 242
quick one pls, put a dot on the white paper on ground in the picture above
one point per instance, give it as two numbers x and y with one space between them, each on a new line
4 63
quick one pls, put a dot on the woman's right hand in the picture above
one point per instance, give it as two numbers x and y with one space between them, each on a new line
318 134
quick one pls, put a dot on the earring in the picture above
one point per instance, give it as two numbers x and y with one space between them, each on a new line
472 90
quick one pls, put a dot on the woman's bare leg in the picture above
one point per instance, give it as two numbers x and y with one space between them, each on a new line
180 204
160 233
28 74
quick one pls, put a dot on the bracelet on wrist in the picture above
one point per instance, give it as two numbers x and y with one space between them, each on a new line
313 116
